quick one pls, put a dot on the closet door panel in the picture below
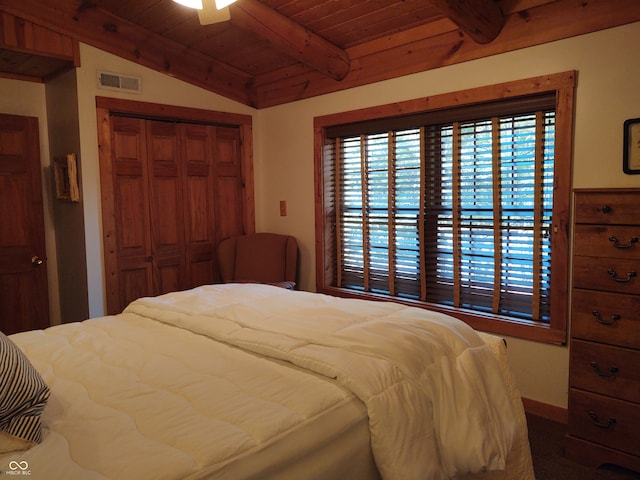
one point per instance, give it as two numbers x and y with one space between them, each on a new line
228 207
170 272
167 218
131 208
132 218
198 204
229 184
134 282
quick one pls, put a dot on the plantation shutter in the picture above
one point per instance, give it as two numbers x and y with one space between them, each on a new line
455 213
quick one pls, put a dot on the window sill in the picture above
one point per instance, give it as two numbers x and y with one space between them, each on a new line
495 324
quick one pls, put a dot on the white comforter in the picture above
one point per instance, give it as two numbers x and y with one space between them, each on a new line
437 403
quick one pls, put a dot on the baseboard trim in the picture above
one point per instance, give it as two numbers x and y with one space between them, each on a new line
545 410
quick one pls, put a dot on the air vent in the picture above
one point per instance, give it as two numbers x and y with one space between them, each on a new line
120 83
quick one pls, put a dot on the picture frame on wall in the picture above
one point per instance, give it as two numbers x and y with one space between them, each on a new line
631 155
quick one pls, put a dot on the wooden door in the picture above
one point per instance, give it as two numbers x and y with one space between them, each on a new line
24 298
228 187
147 190
166 207
199 206
133 275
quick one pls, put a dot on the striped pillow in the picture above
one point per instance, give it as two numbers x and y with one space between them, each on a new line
23 394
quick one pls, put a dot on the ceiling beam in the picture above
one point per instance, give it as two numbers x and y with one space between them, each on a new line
482 20
543 22
291 38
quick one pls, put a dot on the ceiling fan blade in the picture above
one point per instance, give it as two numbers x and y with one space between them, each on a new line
210 14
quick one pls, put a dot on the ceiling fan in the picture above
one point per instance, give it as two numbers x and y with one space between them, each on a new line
209 11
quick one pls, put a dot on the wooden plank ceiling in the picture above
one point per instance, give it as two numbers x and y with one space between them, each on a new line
271 52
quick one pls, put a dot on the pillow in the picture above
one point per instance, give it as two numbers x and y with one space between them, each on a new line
23 396
284 284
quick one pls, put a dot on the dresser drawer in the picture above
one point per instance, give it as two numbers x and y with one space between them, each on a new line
621 207
605 369
608 274
606 317
604 420
616 241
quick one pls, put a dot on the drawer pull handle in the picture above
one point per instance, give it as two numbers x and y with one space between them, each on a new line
597 423
599 319
616 243
612 273
606 209
607 374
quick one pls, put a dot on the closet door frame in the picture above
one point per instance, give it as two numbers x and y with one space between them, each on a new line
105 108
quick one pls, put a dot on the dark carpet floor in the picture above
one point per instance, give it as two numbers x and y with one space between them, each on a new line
547 449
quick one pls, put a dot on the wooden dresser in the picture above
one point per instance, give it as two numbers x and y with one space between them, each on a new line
604 369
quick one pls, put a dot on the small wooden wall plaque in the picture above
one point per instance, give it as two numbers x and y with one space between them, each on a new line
65 171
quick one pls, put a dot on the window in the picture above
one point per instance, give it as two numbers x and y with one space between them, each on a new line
461 209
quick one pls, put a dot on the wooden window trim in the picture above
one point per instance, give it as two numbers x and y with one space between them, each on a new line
563 84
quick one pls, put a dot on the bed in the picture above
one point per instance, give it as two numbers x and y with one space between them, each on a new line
249 381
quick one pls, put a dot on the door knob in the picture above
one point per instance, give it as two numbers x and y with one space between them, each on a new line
36 260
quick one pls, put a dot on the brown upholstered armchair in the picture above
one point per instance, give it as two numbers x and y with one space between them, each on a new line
259 257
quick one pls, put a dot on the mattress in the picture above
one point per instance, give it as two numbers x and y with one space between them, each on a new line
252 381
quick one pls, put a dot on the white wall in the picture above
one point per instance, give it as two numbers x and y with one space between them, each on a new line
608 92
29 100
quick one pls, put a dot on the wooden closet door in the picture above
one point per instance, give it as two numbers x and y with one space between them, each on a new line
229 184
200 238
166 207
133 275
171 190
149 223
